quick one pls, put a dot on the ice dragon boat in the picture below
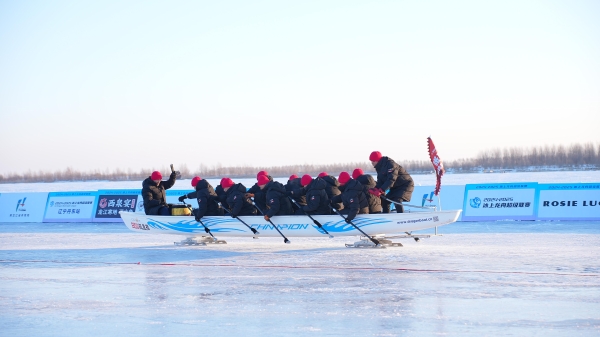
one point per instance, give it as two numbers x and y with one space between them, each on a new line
388 225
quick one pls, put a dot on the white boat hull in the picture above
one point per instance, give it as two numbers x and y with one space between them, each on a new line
290 226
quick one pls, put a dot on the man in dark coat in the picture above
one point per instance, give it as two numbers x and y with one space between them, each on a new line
332 189
238 203
295 191
368 183
259 195
353 197
393 177
221 195
317 201
277 200
154 193
206 196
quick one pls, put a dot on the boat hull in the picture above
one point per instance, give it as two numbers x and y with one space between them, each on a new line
290 226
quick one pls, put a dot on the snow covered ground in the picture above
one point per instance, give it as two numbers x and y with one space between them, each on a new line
520 278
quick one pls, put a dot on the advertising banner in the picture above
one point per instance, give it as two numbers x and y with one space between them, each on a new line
451 197
515 201
70 207
110 202
22 207
579 201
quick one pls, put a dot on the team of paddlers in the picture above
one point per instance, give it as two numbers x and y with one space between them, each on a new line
348 194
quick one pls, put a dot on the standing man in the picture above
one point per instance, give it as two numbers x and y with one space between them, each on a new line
393 177
155 195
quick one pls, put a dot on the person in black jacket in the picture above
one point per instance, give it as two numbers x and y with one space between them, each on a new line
277 200
206 196
332 189
295 191
259 195
393 177
236 199
317 201
353 197
154 193
368 183
221 195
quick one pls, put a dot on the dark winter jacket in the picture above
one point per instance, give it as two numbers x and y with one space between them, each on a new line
317 201
277 200
395 178
238 203
374 201
295 190
155 196
260 196
207 199
354 199
221 196
333 189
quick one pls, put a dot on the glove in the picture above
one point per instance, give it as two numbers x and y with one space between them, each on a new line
231 215
267 218
376 191
198 218
249 195
182 198
348 220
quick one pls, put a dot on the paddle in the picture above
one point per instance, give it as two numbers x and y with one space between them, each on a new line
177 175
315 221
200 221
350 222
401 204
285 240
242 221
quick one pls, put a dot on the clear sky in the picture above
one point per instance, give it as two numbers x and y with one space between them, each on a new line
141 84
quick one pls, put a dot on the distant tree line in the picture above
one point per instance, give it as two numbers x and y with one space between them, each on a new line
555 157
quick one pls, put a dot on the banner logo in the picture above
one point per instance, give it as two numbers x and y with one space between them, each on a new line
475 202
430 199
21 205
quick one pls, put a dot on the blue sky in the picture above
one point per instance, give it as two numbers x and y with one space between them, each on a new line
140 84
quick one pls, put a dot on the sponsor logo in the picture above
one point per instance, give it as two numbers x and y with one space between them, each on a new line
137 225
109 206
21 205
429 200
475 202
271 201
351 200
570 203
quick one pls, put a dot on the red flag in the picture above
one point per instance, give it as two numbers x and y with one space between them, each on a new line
437 165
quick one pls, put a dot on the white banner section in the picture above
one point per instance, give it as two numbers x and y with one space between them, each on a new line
569 201
22 207
515 201
451 197
70 207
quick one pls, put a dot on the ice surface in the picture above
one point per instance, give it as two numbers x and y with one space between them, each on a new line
519 278
85 279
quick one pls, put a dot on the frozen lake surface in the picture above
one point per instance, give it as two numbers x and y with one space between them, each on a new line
420 179
515 278
102 279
